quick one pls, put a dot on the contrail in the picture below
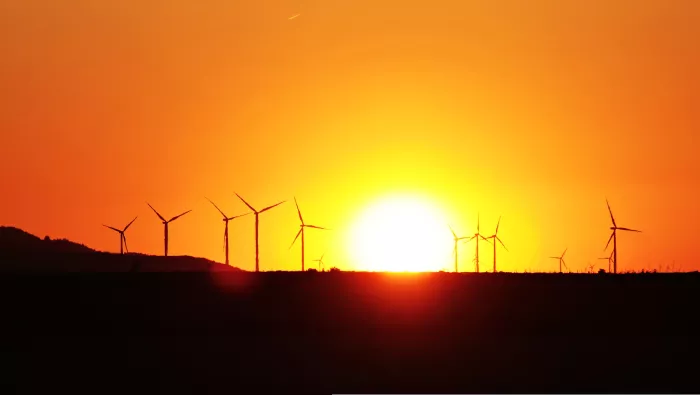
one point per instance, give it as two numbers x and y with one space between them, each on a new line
293 16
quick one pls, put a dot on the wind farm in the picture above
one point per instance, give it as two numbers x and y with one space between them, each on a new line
315 174
493 239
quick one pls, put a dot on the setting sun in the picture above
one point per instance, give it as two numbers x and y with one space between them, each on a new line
401 233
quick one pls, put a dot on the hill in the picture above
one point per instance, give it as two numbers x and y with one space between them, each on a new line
24 252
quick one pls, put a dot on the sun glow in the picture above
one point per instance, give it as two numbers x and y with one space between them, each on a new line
401 233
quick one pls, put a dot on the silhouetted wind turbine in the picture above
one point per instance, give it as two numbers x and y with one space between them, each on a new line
165 223
226 219
590 267
613 237
301 232
476 236
495 237
561 260
457 239
320 261
257 213
609 259
122 237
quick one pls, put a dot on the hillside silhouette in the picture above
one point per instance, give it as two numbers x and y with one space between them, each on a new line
21 251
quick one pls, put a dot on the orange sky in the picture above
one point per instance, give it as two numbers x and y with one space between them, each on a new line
534 110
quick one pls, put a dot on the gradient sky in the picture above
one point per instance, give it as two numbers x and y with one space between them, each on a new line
535 110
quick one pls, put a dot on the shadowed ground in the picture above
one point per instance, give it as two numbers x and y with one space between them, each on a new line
351 332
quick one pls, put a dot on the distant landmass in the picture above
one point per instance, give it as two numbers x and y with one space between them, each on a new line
21 251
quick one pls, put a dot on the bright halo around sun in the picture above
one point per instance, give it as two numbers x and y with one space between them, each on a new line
401 233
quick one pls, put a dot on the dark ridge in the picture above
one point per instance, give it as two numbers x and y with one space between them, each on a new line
22 252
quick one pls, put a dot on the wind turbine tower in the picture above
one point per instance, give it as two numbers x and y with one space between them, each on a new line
257 222
496 238
122 236
477 236
320 262
226 219
456 239
561 260
301 232
613 236
165 224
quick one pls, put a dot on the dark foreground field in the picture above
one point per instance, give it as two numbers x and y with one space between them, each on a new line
349 333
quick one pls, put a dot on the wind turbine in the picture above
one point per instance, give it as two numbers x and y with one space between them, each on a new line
495 237
165 223
561 260
476 236
457 239
122 237
226 219
320 262
590 267
613 237
257 213
301 232
609 259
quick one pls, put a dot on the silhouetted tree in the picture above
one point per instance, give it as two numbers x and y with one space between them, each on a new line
601 271
334 269
312 270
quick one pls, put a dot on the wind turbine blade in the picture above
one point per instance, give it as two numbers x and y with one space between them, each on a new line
295 238
238 216
178 216
453 233
157 213
126 247
497 225
564 253
298 210
273 206
315 227
478 215
611 214
554 257
608 243
132 221
485 239
217 207
246 203
630 230
500 241
114 229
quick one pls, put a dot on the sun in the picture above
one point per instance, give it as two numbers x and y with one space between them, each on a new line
401 233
